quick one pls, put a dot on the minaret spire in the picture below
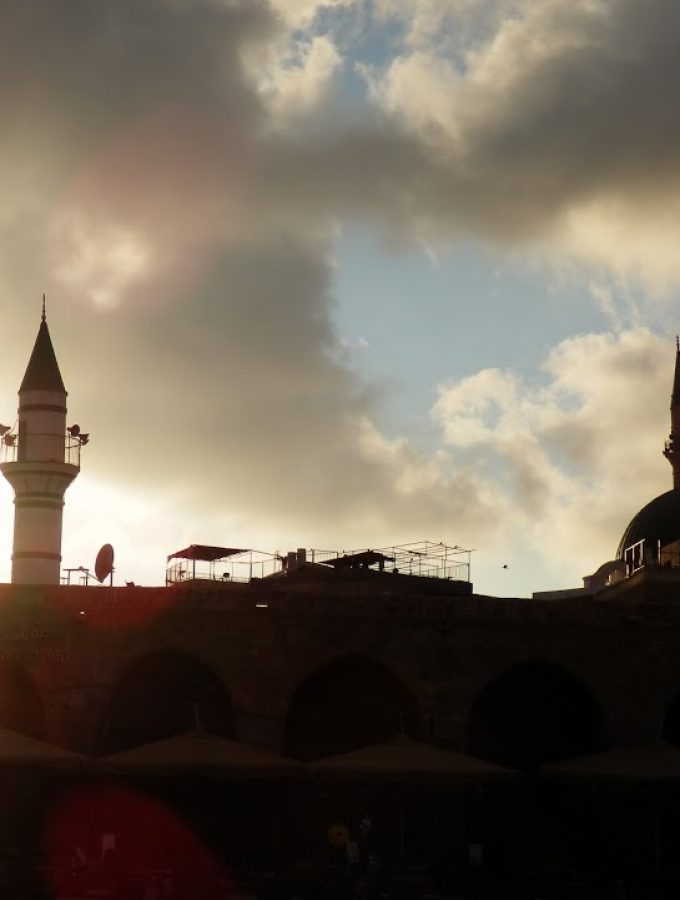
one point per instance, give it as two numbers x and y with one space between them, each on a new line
40 461
672 448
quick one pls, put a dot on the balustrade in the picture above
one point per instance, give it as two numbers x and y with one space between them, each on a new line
42 448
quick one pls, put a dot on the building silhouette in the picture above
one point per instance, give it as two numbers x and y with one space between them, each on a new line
310 655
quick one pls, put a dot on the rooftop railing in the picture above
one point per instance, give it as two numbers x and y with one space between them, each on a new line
650 553
425 559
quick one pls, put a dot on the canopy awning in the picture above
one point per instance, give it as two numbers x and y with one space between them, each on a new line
21 750
658 762
404 758
205 553
199 753
352 560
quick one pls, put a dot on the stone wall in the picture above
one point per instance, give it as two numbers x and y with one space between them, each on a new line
263 642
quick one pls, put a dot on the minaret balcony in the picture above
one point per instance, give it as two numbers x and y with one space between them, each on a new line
41 448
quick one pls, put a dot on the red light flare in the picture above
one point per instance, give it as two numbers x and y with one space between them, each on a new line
152 844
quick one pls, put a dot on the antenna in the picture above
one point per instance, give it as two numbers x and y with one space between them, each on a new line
103 564
43 317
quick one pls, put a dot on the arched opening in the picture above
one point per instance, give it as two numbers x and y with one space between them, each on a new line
534 713
21 707
348 703
165 693
670 729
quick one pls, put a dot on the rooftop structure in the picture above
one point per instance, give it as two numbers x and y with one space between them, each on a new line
424 559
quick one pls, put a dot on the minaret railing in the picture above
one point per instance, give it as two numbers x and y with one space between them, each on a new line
42 448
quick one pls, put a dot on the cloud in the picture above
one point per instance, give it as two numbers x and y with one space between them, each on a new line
576 452
448 23
103 265
301 13
297 80
546 124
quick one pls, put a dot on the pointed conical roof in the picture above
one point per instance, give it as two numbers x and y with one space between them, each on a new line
42 372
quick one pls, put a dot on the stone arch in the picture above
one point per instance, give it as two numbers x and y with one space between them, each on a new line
670 726
21 706
349 702
162 694
532 713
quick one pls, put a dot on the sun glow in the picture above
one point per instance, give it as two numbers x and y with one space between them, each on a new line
99 260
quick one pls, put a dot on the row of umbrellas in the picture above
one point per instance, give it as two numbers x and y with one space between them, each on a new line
400 759
198 752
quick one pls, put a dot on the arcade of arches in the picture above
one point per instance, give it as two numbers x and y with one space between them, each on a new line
165 693
21 707
532 713
670 728
348 703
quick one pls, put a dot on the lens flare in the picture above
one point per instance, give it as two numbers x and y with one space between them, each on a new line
120 842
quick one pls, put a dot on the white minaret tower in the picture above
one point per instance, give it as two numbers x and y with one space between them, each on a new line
40 460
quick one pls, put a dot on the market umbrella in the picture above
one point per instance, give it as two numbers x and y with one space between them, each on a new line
199 753
406 761
21 750
655 763
187 762
650 767
30 770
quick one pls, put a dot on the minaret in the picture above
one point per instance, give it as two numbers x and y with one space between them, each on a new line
40 461
672 448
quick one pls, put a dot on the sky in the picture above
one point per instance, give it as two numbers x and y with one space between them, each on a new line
347 274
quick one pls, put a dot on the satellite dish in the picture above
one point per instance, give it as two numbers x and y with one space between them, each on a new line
103 564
